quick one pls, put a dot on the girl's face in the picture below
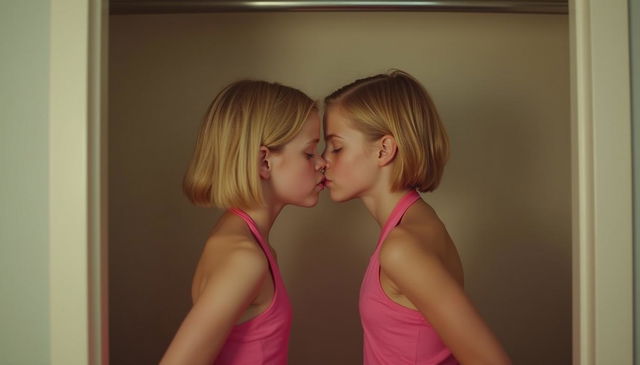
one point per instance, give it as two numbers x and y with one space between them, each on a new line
351 164
296 171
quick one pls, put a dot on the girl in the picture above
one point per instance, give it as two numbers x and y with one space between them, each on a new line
255 153
384 142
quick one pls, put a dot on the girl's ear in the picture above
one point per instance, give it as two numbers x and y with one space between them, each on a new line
264 163
387 149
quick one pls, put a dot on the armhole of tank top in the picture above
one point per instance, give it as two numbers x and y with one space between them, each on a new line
274 281
270 263
378 281
276 292
387 298
378 272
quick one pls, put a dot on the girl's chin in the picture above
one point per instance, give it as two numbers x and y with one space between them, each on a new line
340 197
311 200
335 196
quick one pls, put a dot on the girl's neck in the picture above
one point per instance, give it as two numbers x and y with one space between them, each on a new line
264 217
381 202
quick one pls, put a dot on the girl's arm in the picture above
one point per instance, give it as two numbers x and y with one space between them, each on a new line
422 277
226 295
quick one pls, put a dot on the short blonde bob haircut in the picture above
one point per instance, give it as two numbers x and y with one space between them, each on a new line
396 104
224 170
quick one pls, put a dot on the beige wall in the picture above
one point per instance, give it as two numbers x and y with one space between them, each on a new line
501 82
24 185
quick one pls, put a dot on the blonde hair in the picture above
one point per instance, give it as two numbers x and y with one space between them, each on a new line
397 104
243 117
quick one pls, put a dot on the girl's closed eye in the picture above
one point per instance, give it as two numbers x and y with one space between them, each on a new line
336 149
309 155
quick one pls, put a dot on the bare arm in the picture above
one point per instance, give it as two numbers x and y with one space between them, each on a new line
423 278
226 295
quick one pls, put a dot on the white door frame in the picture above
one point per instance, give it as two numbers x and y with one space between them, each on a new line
78 182
601 182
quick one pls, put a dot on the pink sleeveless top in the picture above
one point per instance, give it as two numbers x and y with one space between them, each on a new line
264 339
393 333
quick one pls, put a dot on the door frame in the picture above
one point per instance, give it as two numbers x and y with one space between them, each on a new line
78 242
600 162
602 214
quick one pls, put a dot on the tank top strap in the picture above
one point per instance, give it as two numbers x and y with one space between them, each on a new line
396 214
256 233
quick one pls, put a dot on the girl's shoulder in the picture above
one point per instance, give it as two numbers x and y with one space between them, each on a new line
224 246
420 244
403 242
421 234
229 244
228 257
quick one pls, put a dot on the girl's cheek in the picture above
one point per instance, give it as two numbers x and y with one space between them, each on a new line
311 171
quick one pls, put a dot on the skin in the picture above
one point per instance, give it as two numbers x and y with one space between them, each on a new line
232 283
420 266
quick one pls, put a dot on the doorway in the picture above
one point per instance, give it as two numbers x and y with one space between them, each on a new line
502 85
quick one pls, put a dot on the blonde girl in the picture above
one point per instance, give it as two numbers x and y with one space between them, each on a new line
386 143
255 154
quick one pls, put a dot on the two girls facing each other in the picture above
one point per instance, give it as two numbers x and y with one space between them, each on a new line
256 153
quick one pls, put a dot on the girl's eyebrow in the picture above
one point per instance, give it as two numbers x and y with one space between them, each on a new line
329 136
316 140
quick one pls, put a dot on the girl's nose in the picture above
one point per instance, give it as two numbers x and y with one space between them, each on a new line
321 164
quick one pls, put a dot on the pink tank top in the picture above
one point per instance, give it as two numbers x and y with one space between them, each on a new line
393 333
264 339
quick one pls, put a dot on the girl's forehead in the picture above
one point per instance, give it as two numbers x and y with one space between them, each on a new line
310 132
336 122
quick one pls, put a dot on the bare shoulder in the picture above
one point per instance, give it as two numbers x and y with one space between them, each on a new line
420 231
420 243
420 238
233 251
229 257
404 245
